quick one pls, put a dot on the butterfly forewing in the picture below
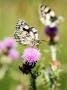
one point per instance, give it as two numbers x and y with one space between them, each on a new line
25 34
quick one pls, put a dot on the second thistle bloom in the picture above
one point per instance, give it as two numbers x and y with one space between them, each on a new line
9 43
13 54
51 32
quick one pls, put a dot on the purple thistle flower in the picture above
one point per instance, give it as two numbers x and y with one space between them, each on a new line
51 31
13 54
31 55
9 42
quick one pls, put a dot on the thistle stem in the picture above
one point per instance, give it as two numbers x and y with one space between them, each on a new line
33 81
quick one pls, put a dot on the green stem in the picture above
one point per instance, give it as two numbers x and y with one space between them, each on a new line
33 81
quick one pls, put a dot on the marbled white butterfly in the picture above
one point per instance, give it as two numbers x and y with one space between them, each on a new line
48 17
25 34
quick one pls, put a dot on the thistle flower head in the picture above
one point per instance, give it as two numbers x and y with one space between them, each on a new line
9 42
51 31
31 55
13 54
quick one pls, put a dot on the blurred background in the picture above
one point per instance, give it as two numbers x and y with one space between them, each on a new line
10 12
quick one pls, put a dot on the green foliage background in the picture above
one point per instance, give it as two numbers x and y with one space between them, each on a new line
11 11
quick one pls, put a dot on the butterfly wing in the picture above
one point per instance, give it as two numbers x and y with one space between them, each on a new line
24 34
34 35
47 16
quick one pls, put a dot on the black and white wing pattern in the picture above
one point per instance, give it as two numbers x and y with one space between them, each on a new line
48 17
25 34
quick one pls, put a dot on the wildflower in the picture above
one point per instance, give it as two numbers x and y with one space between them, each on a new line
13 54
9 43
51 32
31 55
